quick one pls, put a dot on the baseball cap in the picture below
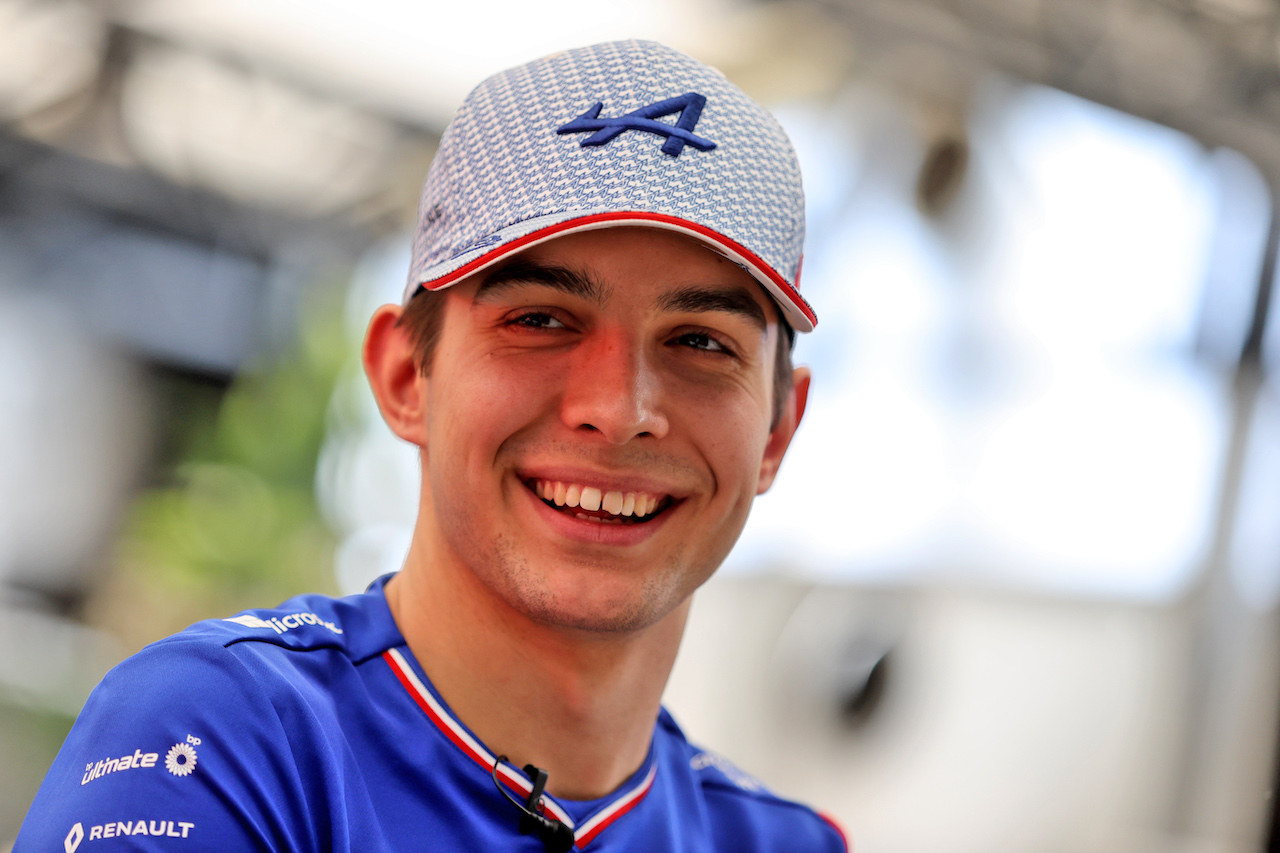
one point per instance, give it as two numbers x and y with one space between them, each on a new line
623 133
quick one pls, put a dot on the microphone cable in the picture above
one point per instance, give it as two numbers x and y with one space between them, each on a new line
556 836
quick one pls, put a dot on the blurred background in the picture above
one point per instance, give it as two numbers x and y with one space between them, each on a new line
1016 590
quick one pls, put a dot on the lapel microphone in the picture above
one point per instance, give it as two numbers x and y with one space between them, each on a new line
556 837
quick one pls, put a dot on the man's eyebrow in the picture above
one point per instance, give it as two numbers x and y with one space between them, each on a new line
523 271
736 300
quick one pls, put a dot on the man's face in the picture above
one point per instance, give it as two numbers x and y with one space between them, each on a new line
626 370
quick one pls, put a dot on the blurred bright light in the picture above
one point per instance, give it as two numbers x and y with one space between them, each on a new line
49 50
367 479
1109 251
1106 483
1016 401
1271 335
1243 206
406 56
72 433
203 122
1255 541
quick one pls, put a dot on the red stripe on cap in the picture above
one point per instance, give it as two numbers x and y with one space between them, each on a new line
714 237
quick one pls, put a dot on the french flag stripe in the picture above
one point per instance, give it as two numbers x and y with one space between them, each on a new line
464 741
617 809
837 827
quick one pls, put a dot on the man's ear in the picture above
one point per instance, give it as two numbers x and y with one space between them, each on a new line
780 437
392 369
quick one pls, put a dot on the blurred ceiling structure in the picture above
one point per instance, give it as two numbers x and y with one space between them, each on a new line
1210 68
344 99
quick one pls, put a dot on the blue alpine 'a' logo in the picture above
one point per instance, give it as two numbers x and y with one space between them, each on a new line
678 135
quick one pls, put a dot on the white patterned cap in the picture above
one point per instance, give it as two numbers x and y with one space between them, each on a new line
624 133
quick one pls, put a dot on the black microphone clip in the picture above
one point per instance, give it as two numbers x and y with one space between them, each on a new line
556 836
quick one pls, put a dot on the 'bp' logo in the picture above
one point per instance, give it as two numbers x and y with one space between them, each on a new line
678 135
181 760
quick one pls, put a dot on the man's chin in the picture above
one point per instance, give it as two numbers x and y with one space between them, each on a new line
579 613
589 593
596 604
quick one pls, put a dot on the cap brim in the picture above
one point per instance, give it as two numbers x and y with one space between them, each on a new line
515 238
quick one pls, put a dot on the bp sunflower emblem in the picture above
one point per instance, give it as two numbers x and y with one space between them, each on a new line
181 759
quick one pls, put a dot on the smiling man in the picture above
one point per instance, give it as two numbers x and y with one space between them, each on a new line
594 359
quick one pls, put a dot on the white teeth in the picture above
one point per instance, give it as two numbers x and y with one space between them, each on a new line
593 499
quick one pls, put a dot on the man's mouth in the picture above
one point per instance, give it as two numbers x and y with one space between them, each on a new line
592 504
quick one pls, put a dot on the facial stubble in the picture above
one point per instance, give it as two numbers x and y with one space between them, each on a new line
525 587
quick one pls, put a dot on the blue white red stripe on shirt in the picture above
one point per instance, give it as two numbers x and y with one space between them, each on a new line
457 733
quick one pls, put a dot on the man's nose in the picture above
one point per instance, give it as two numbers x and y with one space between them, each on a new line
615 389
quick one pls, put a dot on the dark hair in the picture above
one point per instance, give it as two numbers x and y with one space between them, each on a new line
424 317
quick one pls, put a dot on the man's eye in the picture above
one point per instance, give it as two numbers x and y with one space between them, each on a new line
537 320
701 341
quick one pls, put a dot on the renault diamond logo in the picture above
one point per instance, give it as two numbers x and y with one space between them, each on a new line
74 837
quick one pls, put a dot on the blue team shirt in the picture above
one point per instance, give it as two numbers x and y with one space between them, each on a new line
311 727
